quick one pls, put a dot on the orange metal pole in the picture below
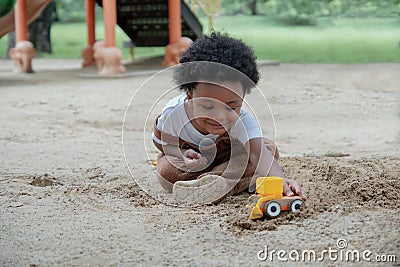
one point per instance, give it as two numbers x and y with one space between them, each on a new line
110 20
21 25
174 14
90 21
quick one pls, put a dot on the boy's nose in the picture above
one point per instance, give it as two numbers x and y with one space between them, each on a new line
220 117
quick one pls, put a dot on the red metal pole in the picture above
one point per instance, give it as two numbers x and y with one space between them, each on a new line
110 20
90 21
21 25
174 14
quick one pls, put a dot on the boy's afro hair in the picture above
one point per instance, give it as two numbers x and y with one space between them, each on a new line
218 48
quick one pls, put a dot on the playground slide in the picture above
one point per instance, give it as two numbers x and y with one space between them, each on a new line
6 6
33 9
146 22
145 28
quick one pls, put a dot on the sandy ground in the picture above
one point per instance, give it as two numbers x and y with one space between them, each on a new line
67 197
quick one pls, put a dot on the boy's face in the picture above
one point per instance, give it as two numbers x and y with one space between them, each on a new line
215 107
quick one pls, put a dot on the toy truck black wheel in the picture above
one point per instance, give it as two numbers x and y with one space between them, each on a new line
296 205
272 209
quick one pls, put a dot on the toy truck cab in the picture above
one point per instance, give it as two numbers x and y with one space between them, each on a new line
270 199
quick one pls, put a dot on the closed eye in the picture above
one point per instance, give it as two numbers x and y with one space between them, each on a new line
228 108
207 107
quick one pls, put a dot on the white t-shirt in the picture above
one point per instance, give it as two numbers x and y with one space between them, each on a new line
174 121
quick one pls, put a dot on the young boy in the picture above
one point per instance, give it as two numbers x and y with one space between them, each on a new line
210 146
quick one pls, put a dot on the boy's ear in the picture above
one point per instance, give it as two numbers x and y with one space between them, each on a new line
188 94
189 98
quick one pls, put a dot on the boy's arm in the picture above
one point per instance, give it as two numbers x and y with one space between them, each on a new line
192 159
266 165
173 150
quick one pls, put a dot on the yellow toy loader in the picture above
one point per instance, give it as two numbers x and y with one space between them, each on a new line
270 199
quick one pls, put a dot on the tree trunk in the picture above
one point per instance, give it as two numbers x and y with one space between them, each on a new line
253 7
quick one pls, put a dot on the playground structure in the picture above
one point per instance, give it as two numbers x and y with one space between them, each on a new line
169 23
23 52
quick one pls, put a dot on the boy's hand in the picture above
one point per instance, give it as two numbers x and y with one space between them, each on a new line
291 188
193 160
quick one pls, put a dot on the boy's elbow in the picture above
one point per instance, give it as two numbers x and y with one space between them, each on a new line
159 146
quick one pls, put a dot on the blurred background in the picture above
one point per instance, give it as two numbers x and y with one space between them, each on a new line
289 31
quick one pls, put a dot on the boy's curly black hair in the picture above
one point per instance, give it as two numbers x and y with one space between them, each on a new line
217 48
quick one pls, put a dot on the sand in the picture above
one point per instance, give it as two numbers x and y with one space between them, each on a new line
67 196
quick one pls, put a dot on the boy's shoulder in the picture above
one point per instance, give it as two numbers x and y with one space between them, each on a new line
173 112
176 101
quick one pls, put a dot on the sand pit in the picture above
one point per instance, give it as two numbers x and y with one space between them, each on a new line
67 198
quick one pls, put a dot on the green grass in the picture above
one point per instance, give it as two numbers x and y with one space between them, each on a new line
69 39
76 41
332 41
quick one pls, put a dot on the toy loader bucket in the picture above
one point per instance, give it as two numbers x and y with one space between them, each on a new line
271 185
256 213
